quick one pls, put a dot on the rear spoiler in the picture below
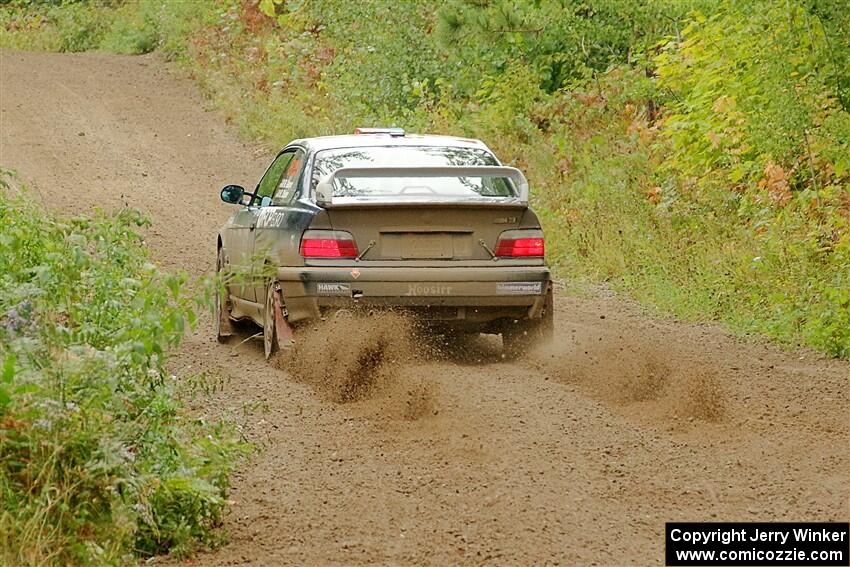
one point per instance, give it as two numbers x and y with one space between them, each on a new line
324 189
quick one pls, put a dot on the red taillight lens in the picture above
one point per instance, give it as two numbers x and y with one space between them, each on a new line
512 247
328 248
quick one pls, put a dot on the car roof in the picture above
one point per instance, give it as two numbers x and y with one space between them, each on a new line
362 140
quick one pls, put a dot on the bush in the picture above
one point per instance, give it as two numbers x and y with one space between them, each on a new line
53 26
99 461
131 32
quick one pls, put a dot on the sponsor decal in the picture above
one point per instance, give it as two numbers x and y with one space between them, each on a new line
271 217
519 288
415 289
333 288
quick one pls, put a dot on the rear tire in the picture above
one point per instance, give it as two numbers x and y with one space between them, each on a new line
519 336
269 331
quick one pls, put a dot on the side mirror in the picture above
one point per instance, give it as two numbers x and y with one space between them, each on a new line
232 194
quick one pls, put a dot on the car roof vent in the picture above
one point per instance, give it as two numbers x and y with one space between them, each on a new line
394 132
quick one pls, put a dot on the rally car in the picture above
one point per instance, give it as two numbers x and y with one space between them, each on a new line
432 225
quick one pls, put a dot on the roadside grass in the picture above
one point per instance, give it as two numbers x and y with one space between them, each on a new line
100 462
730 204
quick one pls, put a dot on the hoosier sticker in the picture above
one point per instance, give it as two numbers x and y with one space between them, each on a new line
428 289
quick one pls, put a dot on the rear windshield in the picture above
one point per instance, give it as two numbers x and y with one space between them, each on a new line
328 161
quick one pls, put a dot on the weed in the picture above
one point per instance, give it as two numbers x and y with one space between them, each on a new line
98 458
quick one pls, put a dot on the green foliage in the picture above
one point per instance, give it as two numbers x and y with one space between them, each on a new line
129 26
52 26
397 64
566 41
833 22
759 141
98 459
754 85
134 30
80 27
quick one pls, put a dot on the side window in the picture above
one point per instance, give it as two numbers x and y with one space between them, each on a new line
271 179
288 185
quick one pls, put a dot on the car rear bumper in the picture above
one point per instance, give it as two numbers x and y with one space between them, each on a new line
492 292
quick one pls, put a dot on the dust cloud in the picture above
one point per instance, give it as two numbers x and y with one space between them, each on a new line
358 356
377 355
639 372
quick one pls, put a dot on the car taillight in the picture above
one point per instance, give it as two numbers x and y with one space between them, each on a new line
513 245
328 244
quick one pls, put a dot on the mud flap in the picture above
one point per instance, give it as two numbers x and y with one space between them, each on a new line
283 332
538 309
225 326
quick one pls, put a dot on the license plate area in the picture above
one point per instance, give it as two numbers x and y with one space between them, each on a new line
417 245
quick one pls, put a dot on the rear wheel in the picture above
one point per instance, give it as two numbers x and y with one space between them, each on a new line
521 335
269 330
221 317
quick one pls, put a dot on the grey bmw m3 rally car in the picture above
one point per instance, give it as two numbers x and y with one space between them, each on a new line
432 225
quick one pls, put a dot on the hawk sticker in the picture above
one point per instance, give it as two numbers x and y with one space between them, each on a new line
333 288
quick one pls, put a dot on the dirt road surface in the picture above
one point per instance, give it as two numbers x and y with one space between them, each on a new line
575 456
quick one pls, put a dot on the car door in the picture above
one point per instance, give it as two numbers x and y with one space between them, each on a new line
240 232
236 246
276 191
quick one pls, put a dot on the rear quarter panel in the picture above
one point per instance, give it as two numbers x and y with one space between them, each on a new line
277 239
